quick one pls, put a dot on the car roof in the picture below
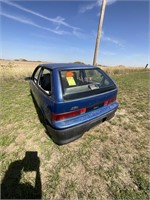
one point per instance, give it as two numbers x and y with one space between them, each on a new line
67 66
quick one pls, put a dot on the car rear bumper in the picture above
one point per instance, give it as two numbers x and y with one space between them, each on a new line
64 136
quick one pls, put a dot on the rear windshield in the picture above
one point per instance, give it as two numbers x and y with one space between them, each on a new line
84 82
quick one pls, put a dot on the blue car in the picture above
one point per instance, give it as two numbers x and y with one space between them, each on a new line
72 98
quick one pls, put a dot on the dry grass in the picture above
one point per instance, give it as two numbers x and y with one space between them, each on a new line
16 69
123 70
111 161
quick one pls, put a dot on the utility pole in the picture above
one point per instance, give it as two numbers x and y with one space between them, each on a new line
99 31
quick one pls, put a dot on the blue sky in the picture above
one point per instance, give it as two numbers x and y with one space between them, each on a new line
65 31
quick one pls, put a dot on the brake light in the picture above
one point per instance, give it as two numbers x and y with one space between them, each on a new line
109 101
62 116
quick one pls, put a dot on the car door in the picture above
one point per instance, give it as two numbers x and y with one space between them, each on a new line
34 83
42 91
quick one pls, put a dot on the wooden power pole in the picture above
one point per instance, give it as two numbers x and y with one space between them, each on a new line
99 31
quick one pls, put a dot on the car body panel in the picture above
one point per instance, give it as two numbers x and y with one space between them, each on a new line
86 117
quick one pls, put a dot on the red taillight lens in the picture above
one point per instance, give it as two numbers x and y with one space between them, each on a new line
109 101
62 116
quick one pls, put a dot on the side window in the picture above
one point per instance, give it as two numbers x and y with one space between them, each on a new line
45 80
36 75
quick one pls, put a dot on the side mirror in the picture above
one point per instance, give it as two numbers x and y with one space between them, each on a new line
28 78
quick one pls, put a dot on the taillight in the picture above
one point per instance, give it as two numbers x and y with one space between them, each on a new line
62 116
109 101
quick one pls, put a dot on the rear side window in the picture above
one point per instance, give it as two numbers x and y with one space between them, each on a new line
36 75
84 82
45 80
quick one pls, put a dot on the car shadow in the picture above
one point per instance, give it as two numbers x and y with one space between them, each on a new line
38 111
40 115
13 188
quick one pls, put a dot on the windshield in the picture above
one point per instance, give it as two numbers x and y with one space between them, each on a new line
84 82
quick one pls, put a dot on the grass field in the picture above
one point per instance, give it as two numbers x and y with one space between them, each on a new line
111 161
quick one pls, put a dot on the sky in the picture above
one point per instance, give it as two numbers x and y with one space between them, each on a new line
65 31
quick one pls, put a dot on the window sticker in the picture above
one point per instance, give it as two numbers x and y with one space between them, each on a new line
71 81
69 74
